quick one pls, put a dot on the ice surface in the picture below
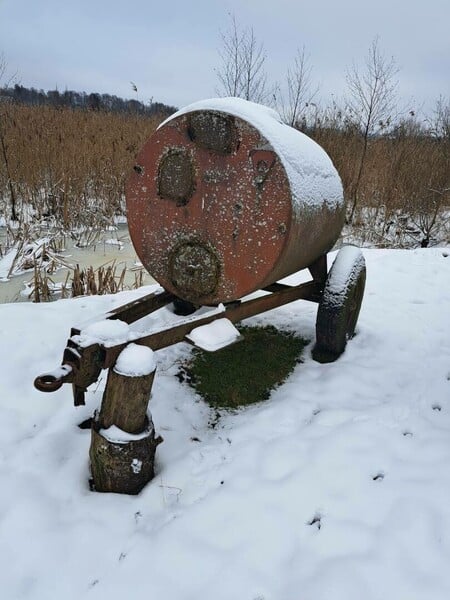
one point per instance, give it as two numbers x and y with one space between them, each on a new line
215 335
113 242
135 361
313 179
21 258
234 511
6 263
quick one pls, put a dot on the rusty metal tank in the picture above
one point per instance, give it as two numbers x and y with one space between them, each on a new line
226 199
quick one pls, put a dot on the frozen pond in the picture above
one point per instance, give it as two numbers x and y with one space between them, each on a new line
110 246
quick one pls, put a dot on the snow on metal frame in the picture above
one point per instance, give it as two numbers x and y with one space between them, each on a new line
312 176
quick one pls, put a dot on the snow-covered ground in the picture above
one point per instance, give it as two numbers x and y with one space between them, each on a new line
338 487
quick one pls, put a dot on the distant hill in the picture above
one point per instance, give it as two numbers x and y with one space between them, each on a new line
82 100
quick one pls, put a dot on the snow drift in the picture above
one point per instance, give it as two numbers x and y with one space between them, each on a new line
337 487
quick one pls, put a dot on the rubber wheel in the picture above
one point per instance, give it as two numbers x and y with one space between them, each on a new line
340 304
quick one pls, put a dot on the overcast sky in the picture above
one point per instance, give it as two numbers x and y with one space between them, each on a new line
170 48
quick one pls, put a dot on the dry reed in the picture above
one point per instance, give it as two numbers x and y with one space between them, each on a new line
70 166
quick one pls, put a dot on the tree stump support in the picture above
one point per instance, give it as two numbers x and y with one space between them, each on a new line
123 441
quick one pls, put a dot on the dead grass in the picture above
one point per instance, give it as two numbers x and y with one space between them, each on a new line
69 165
106 279
406 175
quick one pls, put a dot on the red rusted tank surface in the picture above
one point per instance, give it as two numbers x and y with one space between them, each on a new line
225 199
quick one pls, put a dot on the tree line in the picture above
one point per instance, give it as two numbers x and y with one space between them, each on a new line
82 100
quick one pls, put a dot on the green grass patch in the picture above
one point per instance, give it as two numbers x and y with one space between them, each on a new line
247 371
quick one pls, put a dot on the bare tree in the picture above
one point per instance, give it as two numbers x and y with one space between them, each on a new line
230 72
371 102
254 76
2 66
440 121
242 71
300 92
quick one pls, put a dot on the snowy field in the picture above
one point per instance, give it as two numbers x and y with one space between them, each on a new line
337 488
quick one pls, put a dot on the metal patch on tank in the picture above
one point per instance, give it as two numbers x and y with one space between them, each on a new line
176 176
213 131
194 269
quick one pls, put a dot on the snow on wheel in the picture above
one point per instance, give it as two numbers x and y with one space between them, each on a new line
340 304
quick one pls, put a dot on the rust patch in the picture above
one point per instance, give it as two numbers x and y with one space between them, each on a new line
213 131
194 269
263 161
176 176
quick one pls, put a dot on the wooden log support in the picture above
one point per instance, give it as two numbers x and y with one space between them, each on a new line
123 440
125 401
